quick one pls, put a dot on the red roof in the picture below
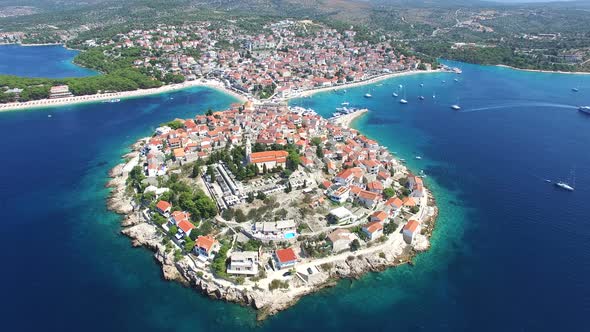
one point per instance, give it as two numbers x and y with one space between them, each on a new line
186 226
286 255
205 242
374 226
380 215
268 156
411 226
163 206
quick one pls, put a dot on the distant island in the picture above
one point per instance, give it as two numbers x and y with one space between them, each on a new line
263 203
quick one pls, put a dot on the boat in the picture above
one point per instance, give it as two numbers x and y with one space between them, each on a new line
421 84
584 109
418 158
112 100
444 81
368 95
395 94
345 103
49 115
564 186
575 89
547 180
421 97
403 100
456 107
456 80
434 96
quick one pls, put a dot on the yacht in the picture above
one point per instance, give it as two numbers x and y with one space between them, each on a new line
456 107
368 95
403 101
584 109
395 94
564 186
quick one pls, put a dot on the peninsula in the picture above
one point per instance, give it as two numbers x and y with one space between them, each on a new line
287 59
263 203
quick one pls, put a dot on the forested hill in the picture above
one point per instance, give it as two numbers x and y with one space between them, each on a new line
540 36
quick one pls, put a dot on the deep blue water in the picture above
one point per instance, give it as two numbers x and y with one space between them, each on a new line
52 61
510 252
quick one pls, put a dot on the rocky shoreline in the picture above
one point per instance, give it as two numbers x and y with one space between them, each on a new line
266 302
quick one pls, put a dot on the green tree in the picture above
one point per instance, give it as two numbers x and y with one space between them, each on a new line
388 192
355 245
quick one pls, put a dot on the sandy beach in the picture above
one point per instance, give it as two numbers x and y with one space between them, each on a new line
376 79
43 103
547 71
347 119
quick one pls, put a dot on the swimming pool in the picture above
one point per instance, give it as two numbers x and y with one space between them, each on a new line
289 235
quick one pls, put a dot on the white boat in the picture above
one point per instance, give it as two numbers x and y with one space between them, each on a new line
456 107
564 186
403 101
345 103
395 94
421 84
434 96
418 158
368 95
421 97
456 80
584 109
112 100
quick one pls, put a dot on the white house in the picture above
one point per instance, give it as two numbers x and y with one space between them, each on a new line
410 230
245 263
373 230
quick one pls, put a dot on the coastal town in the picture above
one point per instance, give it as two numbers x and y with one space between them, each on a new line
263 203
284 60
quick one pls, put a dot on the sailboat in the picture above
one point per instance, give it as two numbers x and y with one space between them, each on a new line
566 186
368 94
403 100
456 106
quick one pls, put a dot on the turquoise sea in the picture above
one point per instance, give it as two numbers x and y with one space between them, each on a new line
53 61
510 251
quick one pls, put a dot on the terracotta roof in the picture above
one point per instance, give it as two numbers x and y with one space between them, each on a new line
411 226
286 255
205 242
185 225
368 195
374 226
381 215
267 156
163 205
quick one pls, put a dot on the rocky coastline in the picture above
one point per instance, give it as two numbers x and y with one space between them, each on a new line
145 234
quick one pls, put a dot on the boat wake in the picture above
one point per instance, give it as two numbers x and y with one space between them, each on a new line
515 105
